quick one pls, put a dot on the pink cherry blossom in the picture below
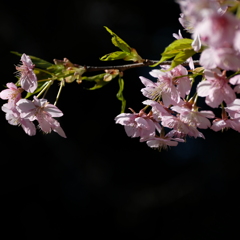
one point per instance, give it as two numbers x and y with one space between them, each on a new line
163 142
43 112
193 117
13 94
158 110
28 79
219 124
233 108
183 83
235 81
216 89
218 30
180 128
163 88
138 124
13 117
225 58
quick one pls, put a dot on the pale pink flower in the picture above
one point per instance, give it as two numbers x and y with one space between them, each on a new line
28 79
233 108
235 81
158 110
194 118
186 22
138 124
163 88
170 86
13 94
41 111
180 128
219 124
163 142
183 83
218 30
224 58
13 118
216 89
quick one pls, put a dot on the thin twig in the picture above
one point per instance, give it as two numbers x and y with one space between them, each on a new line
124 67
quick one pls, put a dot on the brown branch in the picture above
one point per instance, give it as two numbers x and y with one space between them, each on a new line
145 63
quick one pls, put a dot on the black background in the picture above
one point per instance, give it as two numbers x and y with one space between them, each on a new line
98 182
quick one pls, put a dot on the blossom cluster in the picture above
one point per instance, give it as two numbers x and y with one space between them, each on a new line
21 111
171 113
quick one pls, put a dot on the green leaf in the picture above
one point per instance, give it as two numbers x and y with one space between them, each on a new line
40 63
120 94
93 78
118 42
176 47
114 56
98 79
181 57
163 58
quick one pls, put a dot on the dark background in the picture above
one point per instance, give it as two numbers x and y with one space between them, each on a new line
98 182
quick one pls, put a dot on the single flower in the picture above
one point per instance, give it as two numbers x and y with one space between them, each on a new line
28 78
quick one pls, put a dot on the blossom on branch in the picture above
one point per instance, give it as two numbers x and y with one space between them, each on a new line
216 89
28 78
163 142
138 124
13 94
13 117
43 112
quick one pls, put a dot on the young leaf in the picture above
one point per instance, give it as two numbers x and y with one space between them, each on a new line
98 79
120 94
177 46
114 56
181 57
118 42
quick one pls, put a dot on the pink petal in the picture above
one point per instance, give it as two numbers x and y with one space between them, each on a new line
235 80
26 108
53 110
147 82
203 88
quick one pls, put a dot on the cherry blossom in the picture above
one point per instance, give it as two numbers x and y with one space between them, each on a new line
216 89
193 117
170 86
163 88
28 78
43 112
180 129
219 124
233 109
225 58
13 117
218 30
163 142
13 94
158 110
138 124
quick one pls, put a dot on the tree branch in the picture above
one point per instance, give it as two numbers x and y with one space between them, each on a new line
145 63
